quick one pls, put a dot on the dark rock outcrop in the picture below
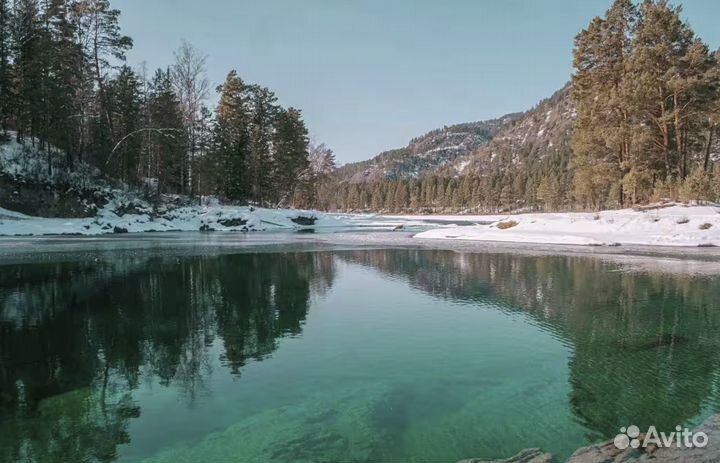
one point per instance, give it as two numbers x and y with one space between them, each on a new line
236 222
304 221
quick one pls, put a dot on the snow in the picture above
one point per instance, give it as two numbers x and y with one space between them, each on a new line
448 219
675 225
25 162
110 219
7 214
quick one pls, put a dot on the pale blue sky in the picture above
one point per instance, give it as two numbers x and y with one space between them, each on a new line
371 74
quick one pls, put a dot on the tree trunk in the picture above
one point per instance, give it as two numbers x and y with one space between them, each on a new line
708 148
666 139
680 137
101 85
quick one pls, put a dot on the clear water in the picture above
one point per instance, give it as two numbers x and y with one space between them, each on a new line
344 356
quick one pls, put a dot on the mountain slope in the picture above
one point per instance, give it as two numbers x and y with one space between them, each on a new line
476 148
531 138
435 149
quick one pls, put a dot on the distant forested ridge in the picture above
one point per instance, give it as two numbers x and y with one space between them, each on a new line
66 91
638 122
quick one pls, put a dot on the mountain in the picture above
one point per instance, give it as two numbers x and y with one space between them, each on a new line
475 148
435 149
532 137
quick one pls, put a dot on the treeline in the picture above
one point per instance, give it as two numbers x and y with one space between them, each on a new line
646 93
437 193
64 88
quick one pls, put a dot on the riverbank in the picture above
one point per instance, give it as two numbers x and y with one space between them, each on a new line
139 217
661 225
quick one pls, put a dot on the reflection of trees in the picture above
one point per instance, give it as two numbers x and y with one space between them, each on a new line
645 346
76 337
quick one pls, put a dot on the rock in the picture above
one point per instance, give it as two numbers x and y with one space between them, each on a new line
604 453
206 228
304 221
607 452
131 208
526 456
236 222
117 229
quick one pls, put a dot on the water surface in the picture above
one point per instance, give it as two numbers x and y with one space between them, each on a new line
354 355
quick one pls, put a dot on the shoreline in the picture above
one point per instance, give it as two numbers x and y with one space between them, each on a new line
699 262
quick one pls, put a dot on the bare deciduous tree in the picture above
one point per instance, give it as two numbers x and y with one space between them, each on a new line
192 86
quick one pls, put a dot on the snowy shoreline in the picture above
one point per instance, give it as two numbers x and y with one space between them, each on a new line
668 225
139 218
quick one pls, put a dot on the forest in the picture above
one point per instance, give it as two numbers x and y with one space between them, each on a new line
67 91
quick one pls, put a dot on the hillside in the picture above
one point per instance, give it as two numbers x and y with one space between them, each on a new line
509 163
530 138
473 148
424 154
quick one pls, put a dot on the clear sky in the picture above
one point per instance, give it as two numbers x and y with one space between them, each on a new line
370 75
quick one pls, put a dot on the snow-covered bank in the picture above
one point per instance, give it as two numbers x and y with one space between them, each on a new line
138 217
673 225
103 207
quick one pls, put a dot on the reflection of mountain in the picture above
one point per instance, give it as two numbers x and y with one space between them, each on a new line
645 347
75 338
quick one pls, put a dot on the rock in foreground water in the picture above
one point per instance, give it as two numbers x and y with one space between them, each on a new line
607 452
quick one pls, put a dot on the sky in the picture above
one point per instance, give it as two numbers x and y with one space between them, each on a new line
369 75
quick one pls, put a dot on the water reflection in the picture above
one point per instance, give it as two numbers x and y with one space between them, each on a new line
646 347
77 338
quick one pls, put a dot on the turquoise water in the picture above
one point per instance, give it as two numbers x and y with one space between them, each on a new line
344 356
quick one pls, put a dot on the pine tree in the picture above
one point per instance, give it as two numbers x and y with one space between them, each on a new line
290 153
602 140
126 91
6 46
63 80
232 139
28 71
101 40
260 163
169 136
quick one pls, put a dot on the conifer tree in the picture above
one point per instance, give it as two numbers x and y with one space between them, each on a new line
5 69
169 137
232 139
28 71
101 41
261 163
126 91
291 153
